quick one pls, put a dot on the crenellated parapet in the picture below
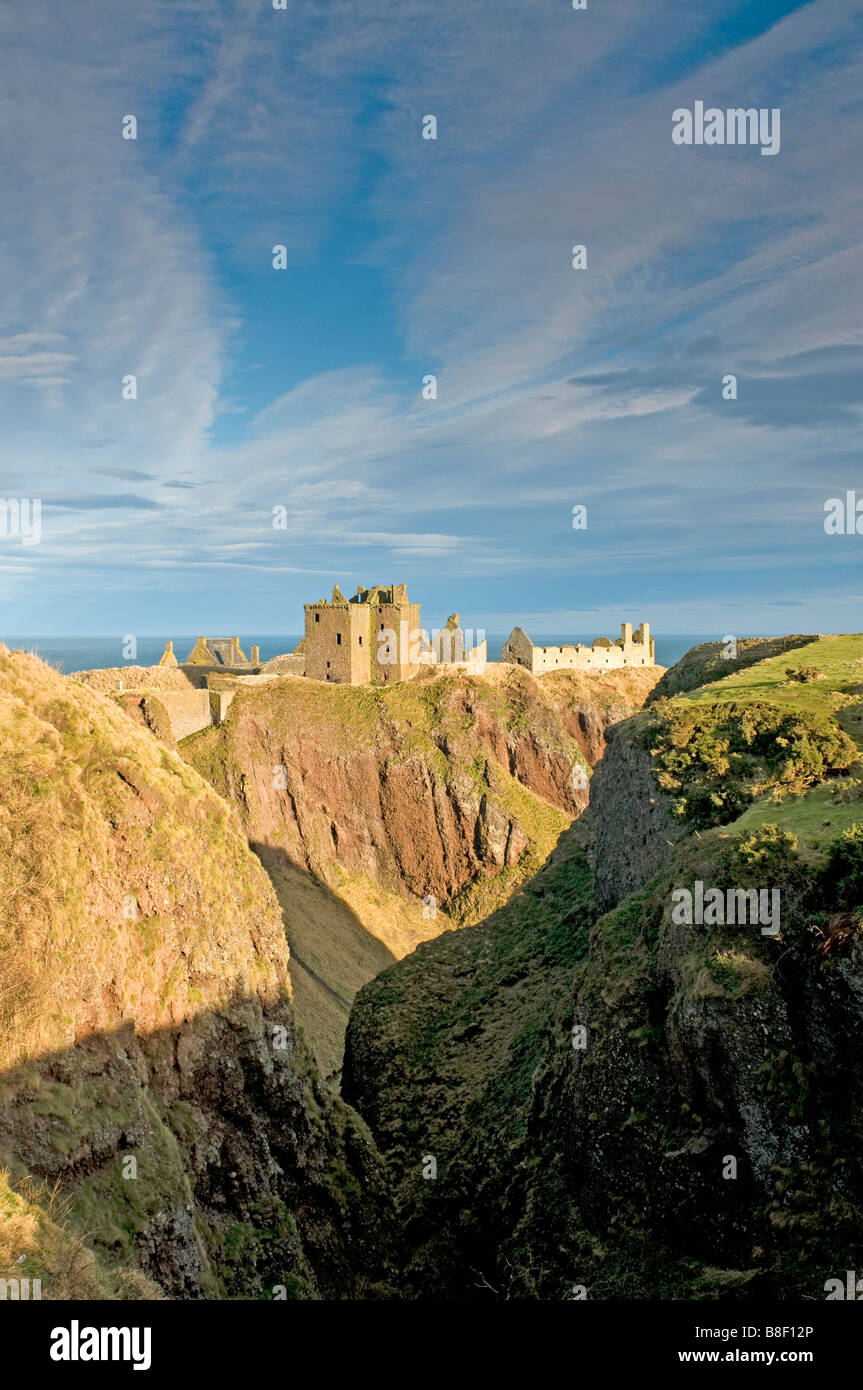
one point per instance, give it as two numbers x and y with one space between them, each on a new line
630 649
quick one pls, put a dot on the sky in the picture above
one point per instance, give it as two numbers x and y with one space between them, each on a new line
296 395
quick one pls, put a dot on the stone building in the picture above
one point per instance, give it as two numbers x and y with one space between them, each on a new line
449 647
604 655
216 652
373 637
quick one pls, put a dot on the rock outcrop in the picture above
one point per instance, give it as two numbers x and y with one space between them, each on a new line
630 816
150 1066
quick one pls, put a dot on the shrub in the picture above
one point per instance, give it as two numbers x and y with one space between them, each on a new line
843 875
715 759
803 673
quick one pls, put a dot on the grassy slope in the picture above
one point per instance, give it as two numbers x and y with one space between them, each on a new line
39 1240
707 662
819 815
840 660
458 1052
338 937
161 852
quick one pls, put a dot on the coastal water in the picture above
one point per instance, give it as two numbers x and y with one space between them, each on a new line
90 653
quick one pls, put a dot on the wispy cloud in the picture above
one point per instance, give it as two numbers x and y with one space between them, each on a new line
554 386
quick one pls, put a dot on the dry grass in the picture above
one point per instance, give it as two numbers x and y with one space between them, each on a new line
95 814
116 678
37 1241
340 936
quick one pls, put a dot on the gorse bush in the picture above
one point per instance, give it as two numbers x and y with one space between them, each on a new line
843 875
804 674
767 850
715 759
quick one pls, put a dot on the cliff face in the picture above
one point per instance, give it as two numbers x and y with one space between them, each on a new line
624 1103
409 808
415 787
630 817
150 1063
717 1110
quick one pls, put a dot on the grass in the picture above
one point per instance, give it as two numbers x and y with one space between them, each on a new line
463 1051
75 771
340 936
840 693
821 813
130 903
816 817
758 735
39 1241
467 1022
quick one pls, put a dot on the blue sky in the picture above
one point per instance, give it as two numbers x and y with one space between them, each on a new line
302 388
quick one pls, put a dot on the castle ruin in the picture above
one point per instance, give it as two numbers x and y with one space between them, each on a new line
376 637
449 648
604 655
219 653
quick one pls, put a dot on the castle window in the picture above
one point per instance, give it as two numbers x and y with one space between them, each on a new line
328 666
338 639
317 617
361 640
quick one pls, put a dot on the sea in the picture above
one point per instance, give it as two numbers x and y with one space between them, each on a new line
69 654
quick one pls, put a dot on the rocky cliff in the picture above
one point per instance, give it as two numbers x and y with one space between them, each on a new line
151 1070
627 1104
386 815
630 816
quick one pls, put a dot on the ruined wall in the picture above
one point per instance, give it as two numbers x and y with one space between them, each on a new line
604 655
518 649
449 647
477 656
220 701
288 664
403 619
578 658
337 642
473 658
188 710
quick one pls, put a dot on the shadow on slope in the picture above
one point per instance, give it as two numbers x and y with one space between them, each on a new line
209 1158
332 950
604 1162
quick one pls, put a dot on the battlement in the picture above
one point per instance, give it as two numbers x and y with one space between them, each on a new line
603 655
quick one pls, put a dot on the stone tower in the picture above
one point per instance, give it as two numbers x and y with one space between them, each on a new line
373 637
